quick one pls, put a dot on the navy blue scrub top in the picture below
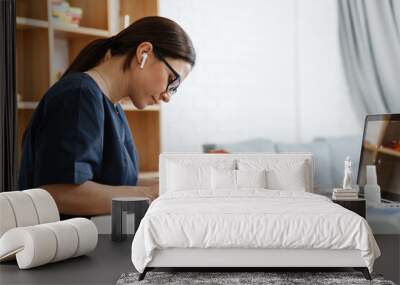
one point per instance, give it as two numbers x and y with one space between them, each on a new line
77 134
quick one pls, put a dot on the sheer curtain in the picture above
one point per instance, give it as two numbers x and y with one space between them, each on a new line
369 33
8 126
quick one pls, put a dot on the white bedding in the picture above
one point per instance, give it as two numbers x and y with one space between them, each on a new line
250 218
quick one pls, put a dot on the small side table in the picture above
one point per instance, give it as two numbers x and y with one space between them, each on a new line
121 206
358 206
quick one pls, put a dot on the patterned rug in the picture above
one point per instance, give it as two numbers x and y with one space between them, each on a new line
242 278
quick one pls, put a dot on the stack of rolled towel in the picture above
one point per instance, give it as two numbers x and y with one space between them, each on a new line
31 231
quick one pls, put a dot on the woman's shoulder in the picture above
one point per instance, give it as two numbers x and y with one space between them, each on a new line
76 81
75 86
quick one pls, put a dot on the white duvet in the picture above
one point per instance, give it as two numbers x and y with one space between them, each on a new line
250 219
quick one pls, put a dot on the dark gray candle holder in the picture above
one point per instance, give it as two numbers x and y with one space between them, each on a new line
121 207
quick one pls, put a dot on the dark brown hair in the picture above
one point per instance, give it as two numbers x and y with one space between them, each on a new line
166 36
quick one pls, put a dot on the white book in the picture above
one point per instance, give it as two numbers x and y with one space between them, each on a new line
344 197
345 194
340 190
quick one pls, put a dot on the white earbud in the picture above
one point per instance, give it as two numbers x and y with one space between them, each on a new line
144 58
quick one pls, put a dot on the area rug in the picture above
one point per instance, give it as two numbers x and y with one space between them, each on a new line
243 278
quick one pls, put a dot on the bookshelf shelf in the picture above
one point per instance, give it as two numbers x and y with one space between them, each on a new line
75 32
27 105
149 174
27 23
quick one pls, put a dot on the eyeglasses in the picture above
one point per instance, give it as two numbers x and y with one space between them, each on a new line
172 85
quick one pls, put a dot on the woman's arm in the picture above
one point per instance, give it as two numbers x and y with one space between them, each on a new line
147 181
91 198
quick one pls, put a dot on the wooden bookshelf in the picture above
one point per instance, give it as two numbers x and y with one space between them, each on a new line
72 32
33 63
32 9
40 60
27 23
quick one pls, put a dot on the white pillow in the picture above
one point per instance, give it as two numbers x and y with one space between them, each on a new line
288 174
251 178
223 179
188 177
293 179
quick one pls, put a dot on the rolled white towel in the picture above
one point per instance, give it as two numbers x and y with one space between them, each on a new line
33 246
40 244
87 235
67 240
26 208
23 208
45 205
7 218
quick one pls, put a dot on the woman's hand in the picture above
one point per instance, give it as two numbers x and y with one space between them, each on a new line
152 191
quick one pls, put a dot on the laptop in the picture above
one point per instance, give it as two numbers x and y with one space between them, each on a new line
381 147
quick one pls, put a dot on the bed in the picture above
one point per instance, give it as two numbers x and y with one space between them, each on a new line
245 211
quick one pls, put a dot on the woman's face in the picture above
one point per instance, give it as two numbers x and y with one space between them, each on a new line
148 86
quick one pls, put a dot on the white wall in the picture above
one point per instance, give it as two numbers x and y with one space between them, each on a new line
61 55
265 69
325 106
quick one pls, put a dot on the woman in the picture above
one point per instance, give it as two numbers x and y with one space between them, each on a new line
78 145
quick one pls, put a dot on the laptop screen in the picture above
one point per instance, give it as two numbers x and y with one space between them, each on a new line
381 147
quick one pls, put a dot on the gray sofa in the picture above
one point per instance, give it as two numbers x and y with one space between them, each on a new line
329 155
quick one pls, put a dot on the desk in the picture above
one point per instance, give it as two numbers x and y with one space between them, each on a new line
102 266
